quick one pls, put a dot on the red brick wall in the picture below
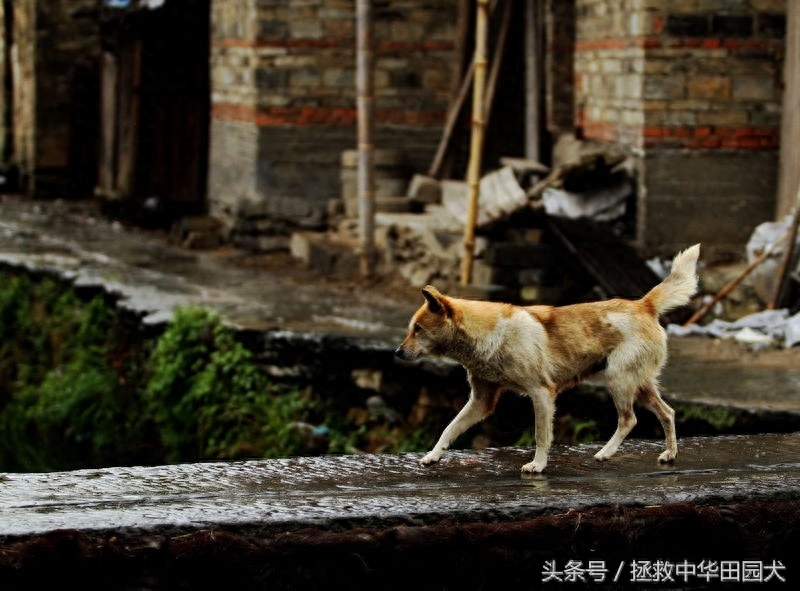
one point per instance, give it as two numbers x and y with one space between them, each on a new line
699 75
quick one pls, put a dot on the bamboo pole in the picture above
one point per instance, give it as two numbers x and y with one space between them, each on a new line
366 180
533 78
445 143
476 143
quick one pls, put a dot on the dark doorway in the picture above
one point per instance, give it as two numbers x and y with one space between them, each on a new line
155 113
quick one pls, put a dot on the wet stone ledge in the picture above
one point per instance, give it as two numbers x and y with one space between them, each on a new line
383 521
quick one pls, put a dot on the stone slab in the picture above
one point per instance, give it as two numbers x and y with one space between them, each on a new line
379 490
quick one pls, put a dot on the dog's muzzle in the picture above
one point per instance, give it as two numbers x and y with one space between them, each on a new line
400 353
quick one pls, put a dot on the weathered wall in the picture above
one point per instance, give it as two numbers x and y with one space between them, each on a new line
284 95
695 86
716 197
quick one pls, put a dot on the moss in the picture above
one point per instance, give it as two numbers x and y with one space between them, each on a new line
719 418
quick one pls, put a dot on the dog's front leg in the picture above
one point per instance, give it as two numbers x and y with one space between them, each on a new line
481 403
543 409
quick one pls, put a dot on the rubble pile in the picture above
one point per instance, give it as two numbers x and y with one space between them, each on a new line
513 256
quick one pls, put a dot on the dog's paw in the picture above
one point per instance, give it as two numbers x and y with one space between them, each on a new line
602 456
533 467
430 458
667 457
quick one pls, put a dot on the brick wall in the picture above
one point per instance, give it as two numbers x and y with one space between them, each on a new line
285 71
713 76
686 82
609 70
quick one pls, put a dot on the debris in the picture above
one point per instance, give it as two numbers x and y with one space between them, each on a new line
424 189
525 165
765 328
197 232
605 204
763 279
500 195
736 280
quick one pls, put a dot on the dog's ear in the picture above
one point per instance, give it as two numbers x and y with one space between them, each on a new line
437 304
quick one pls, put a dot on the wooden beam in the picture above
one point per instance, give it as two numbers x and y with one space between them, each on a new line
128 138
108 126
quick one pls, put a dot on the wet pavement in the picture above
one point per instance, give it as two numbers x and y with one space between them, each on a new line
152 277
383 522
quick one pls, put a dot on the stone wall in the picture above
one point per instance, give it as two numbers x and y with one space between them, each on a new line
284 95
695 86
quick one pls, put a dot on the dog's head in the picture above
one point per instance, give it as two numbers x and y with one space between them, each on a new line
431 327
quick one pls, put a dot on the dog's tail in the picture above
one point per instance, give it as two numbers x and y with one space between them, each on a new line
680 285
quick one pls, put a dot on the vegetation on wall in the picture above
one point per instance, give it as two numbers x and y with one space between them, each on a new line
208 399
79 387
63 403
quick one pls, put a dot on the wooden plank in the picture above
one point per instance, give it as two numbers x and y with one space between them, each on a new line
108 126
129 118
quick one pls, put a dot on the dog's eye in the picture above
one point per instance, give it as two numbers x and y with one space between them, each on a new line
416 328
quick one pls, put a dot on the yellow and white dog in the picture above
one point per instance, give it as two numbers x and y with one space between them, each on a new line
539 351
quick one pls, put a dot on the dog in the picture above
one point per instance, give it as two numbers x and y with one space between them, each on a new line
539 351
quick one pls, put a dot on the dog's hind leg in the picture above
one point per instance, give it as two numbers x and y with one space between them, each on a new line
649 397
623 397
482 401
544 410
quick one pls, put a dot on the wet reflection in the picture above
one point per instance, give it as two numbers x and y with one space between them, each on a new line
484 484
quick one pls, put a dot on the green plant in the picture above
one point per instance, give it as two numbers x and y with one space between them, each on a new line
208 398
61 405
81 386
